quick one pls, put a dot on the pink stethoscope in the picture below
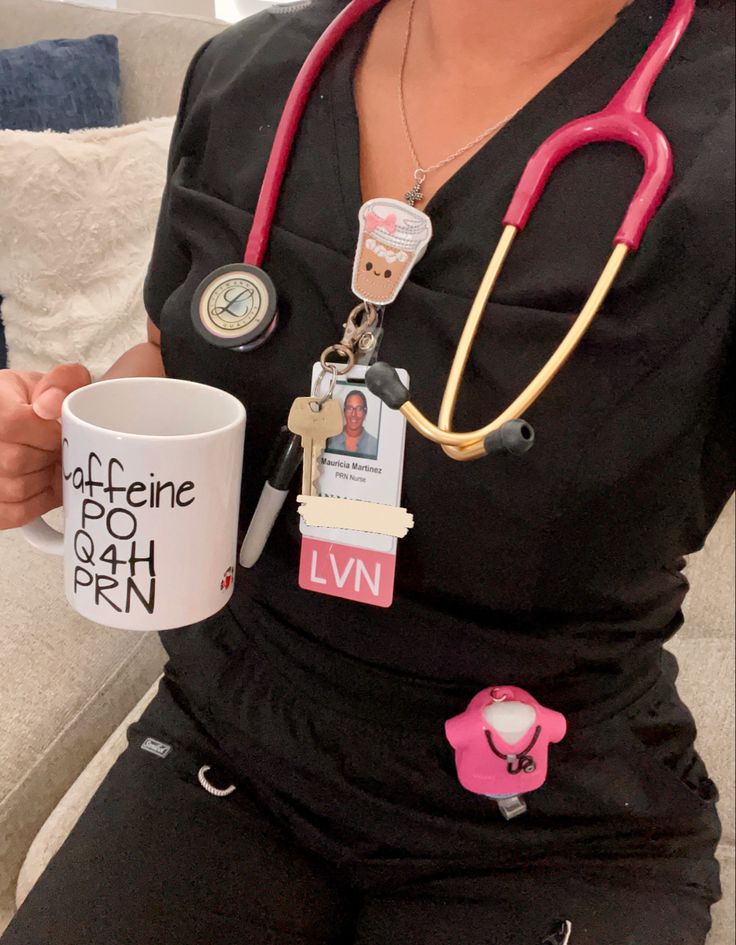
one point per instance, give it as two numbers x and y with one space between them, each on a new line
243 296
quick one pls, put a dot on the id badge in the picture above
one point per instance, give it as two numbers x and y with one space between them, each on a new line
365 463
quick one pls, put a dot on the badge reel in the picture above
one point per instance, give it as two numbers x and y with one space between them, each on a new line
501 742
352 520
392 238
235 307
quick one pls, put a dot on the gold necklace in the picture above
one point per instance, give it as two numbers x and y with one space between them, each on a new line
415 195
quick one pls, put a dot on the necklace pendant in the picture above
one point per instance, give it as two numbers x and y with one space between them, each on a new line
414 195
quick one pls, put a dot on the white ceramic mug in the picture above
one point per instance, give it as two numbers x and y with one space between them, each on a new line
152 472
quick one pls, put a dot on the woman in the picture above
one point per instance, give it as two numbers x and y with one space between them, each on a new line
559 571
354 437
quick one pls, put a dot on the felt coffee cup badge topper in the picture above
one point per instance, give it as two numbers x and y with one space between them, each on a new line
393 237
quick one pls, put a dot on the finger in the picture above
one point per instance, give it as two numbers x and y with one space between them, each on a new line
47 405
50 391
57 487
15 514
19 385
18 460
20 425
23 488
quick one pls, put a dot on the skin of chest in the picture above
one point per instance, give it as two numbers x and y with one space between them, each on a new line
444 112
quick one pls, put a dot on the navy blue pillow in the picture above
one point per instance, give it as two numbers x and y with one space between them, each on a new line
61 85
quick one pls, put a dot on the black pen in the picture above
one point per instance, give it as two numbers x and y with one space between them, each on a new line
286 458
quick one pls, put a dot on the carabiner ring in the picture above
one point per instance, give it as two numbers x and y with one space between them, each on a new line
340 369
317 394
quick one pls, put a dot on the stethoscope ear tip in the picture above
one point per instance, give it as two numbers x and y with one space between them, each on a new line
515 437
384 381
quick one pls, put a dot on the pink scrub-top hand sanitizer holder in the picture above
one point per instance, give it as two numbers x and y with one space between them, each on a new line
501 743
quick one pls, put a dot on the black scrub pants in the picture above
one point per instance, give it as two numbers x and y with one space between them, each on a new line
347 830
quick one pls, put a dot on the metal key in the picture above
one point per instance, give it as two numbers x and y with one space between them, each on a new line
315 423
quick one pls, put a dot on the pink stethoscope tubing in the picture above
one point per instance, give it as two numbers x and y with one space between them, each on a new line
622 119
289 124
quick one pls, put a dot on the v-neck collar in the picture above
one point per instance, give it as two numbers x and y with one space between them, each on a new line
584 86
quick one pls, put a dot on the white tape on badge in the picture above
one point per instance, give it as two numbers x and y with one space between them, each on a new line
355 515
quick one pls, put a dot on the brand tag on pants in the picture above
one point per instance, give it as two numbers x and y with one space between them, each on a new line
156 748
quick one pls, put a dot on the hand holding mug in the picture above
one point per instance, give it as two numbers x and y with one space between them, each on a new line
30 440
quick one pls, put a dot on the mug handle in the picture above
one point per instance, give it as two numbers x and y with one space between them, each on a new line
43 537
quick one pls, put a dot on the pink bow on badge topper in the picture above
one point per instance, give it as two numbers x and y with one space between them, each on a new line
373 222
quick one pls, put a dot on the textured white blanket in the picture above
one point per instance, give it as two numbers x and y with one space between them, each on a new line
78 213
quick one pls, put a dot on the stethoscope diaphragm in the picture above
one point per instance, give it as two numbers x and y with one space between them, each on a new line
235 307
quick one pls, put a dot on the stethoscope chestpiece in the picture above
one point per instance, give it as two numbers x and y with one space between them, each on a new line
235 307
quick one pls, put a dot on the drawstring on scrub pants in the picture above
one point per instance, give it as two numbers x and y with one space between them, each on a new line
210 788
560 935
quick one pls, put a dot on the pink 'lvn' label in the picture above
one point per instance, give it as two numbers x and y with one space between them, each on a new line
351 573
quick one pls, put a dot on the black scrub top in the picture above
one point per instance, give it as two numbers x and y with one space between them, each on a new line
560 571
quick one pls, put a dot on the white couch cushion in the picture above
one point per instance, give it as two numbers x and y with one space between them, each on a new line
77 221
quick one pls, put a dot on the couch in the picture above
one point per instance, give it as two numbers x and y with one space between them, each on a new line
68 688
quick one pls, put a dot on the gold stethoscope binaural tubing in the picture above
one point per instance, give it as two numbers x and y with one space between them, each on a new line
465 446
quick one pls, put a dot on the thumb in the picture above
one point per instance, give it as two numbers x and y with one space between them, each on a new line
50 391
